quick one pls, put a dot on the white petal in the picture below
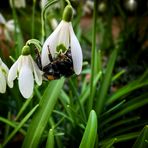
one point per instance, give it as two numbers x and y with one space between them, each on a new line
76 52
2 82
4 66
13 73
37 72
64 34
43 3
7 34
54 23
18 3
2 19
51 41
26 82
10 25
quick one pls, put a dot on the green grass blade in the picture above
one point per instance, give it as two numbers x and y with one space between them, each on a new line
50 140
128 128
23 108
115 77
110 143
85 93
126 110
105 83
43 114
20 125
128 88
142 140
121 122
65 97
63 115
19 41
89 136
121 138
78 100
114 108
12 124
93 52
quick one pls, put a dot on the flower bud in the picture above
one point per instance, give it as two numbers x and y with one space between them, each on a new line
26 50
68 13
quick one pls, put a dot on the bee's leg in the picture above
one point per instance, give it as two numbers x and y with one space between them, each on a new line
49 55
38 59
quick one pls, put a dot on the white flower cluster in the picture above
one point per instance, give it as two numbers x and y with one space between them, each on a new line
8 27
27 71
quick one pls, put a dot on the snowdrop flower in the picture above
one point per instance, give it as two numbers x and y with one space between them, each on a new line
54 23
8 27
43 3
63 36
3 76
88 6
26 70
18 3
131 5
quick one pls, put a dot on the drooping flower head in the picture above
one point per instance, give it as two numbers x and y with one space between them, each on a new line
27 71
18 3
62 39
3 76
8 27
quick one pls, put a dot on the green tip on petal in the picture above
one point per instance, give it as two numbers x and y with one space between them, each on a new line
26 50
68 13
61 48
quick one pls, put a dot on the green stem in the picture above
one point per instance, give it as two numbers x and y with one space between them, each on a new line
78 98
68 2
18 38
15 26
33 15
90 101
43 17
27 102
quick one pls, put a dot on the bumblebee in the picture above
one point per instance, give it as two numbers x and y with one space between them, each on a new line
62 65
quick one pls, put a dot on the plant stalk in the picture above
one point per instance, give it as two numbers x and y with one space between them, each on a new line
90 101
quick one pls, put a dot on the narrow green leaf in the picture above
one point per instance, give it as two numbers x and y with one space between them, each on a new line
128 88
85 94
127 137
77 97
84 85
129 128
142 140
50 140
94 32
63 115
126 110
65 97
110 143
19 41
12 124
115 77
89 136
23 108
121 138
121 122
43 114
114 108
105 83
20 125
